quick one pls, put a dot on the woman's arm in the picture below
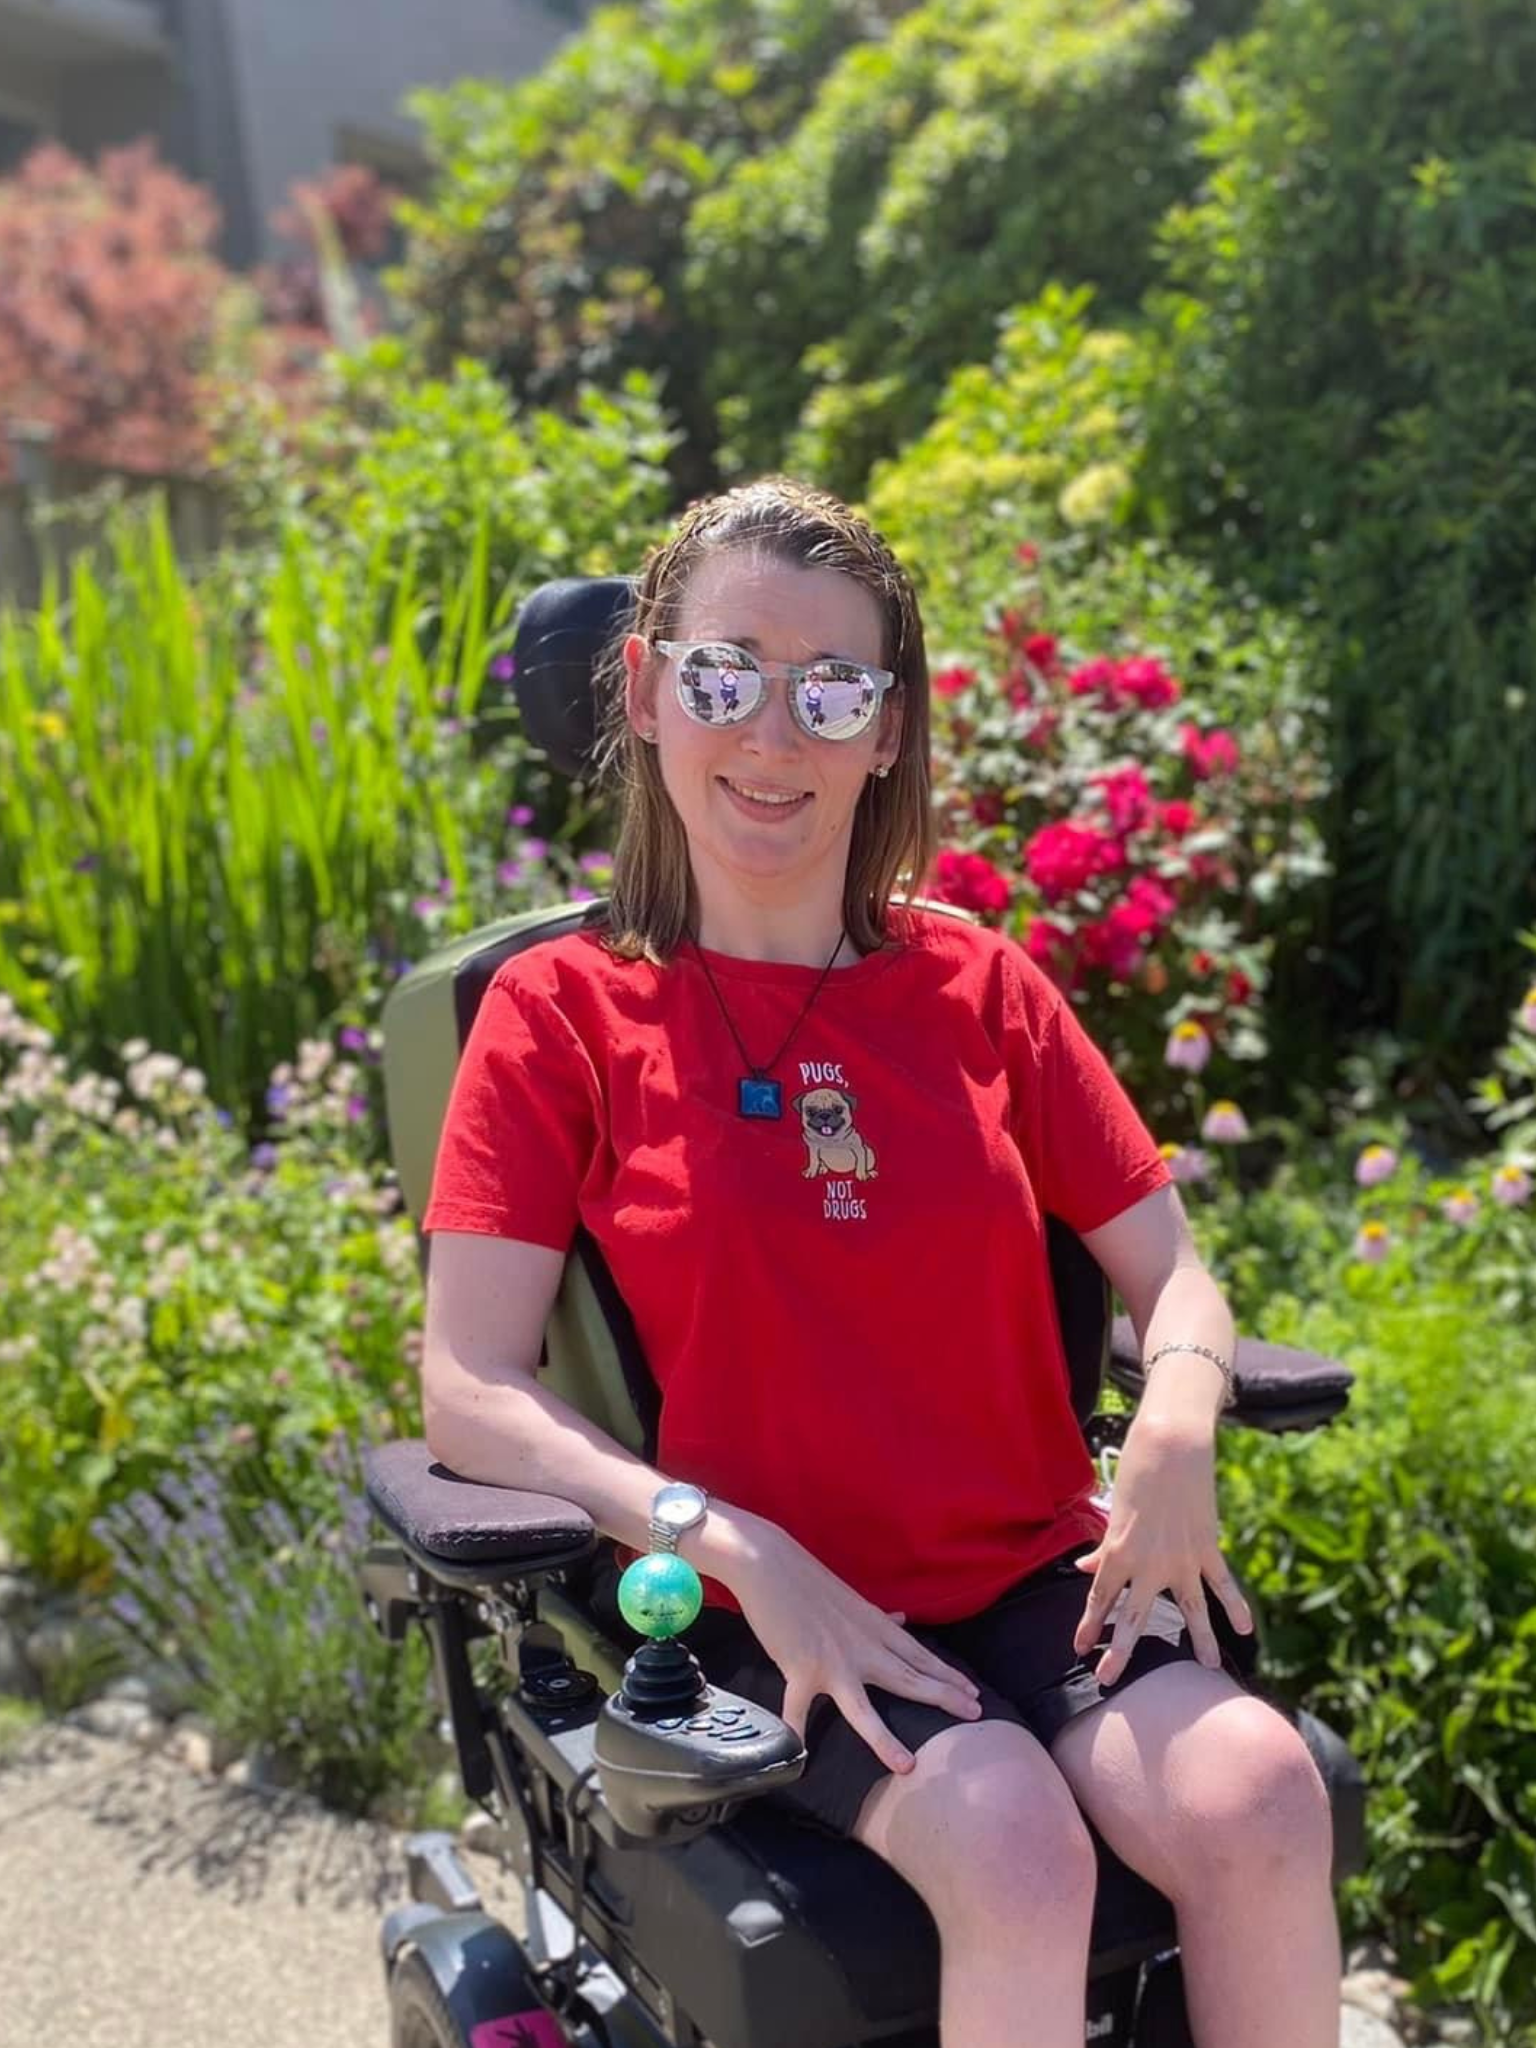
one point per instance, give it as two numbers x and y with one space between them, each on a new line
1151 1262
487 1417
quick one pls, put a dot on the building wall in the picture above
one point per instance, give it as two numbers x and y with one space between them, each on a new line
308 75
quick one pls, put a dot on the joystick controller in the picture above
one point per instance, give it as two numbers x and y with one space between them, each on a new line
670 1748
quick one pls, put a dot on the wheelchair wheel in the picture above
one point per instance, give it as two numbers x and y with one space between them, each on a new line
420 2017
418 2012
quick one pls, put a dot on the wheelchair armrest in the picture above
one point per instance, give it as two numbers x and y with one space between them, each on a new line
467 1533
1278 1387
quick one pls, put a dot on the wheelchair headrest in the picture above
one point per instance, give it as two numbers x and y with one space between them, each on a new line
561 630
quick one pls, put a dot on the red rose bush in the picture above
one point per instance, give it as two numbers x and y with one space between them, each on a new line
1142 853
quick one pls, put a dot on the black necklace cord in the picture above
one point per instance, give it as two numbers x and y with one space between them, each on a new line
761 1073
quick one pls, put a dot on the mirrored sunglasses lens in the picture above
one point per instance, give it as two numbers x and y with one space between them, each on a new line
720 684
837 700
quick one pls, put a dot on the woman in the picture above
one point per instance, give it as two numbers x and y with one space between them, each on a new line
815 1133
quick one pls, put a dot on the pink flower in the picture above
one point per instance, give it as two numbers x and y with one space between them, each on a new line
1528 1011
1177 817
1460 1206
1127 797
1224 1124
1187 1162
1146 680
1372 1243
1027 553
1512 1186
1097 678
949 682
1208 754
969 880
1375 1164
1188 1047
1061 859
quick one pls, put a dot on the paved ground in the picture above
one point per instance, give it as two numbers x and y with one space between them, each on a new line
145 1906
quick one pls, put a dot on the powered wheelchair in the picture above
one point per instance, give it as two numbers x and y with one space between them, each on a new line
667 1903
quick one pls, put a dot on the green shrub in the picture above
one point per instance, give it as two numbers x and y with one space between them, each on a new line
930 188
1343 410
1043 439
552 244
161 1282
409 468
1392 1559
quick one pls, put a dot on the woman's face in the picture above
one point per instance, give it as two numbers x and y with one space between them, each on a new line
717 778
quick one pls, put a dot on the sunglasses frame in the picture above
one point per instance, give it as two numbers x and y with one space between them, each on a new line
679 650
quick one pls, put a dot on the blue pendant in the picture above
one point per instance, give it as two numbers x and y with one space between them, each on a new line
759 1098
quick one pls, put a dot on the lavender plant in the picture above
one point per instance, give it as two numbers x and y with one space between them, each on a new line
254 1603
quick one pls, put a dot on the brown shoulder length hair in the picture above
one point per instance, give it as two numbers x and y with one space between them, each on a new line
652 899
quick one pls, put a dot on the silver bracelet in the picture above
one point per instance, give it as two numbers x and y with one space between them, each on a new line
1200 1351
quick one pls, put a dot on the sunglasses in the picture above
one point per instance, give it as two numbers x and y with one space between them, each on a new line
718 684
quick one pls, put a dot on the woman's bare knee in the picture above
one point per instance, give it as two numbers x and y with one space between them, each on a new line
985 1828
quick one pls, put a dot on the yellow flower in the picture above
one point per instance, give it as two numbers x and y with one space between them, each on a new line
50 725
1095 495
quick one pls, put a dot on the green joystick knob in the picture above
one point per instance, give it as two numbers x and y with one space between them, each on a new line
660 1595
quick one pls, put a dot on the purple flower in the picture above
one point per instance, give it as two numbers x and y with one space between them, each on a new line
504 668
87 864
1188 1047
357 1108
520 815
1373 1241
223 1119
596 863
1375 1164
1512 1186
278 1099
264 1158
352 1038
319 732
1224 1124
534 849
581 895
510 872
451 728
424 905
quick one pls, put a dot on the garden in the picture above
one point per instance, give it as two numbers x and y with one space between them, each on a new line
1185 357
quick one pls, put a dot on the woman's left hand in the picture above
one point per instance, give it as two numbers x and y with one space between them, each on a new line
1162 1538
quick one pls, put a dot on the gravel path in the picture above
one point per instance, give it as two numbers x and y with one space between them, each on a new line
145 1905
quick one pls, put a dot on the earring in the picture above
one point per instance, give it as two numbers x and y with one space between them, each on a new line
649 738
883 772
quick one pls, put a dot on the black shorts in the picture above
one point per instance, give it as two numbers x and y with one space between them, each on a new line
1019 1652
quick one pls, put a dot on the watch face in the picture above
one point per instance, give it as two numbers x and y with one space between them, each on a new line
679 1506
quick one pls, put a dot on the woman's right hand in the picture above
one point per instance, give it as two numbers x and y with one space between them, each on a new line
826 1638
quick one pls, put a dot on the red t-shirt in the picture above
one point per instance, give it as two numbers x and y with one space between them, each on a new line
848 1312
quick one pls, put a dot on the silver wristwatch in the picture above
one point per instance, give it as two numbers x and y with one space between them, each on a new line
675 1510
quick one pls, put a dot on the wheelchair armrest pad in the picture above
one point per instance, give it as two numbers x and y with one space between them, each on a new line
445 1520
1277 1386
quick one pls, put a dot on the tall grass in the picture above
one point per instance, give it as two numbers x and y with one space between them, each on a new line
204 818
